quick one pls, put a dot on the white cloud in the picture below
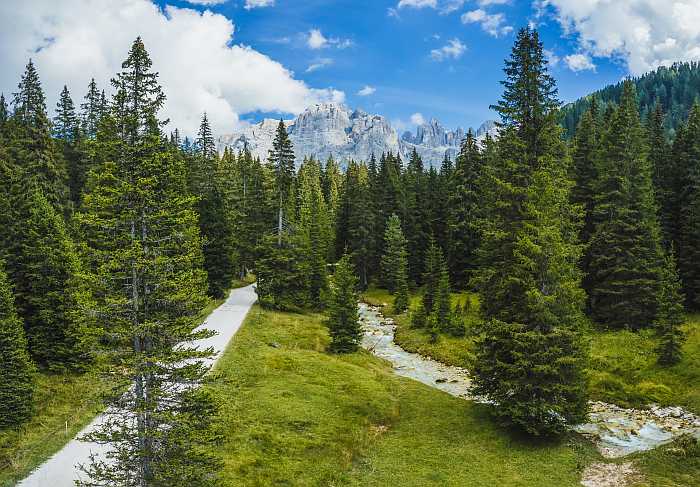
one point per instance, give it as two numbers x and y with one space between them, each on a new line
201 69
316 40
320 64
551 57
417 3
486 3
453 49
579 62
493 24
206 2
643 33
452 6
367 91
417 119
250 4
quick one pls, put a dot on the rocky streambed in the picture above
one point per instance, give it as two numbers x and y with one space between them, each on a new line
616 431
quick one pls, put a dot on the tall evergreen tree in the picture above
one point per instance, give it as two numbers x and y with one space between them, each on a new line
465 201
689 208
394 260
343 319
65 123
625 253
281 158
17 372
665 176
4 113
431 275
530 359
31 145
91 110
51 296
145 252
416 216
66 129
669 317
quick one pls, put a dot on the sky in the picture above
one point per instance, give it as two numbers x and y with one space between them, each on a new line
409 60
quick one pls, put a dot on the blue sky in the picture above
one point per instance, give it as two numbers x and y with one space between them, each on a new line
376 44
240 60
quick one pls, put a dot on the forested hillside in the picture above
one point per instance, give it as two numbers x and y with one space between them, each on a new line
675 88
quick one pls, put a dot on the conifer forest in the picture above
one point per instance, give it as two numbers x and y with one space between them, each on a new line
551 269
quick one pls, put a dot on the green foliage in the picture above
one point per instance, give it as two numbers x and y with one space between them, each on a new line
625 253
51 293
688 153
530 357
669 316
465 201
281 274
431 275
343 320
674 88
145 253
17 372
416 215
395 258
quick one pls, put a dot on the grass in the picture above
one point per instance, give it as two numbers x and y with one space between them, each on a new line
64 405
294 415
623 368
246 281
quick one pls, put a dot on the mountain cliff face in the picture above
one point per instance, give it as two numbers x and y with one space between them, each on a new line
331 129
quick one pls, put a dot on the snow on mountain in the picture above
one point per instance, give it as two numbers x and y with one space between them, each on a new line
331 129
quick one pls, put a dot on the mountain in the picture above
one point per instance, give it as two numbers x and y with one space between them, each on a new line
331 129
675 88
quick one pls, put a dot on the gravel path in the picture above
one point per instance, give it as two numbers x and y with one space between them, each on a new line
60 470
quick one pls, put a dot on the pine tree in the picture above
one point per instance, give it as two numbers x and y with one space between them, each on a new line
51 296
442 306
664 176
282 273
394 260
4 113
584 169
416 215
17 372
146 262
625 253
66 129
65 123
529 358
31 145
215 215
689 218
465 201
343 319
431 275
91 110
281 158
669 317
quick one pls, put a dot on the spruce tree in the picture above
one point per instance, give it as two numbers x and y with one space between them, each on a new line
431 275
530 359
31 144
67 132
4 113
416 216
625 253
343 319
65 123
664 176
442 306
51 294
670 316
144 247
91 110
464 207
689 216
281 158
17 372
394 260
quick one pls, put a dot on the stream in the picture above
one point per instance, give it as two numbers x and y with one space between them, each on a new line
616 431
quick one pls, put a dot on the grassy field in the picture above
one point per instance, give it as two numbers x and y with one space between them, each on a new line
65 404
295 415
623 368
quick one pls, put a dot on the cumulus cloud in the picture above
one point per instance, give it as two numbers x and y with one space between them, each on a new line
579 62
316 40
201 69
205 2
367 91
493 24
453 49
250 4
320 64
417 3
417 119
644 33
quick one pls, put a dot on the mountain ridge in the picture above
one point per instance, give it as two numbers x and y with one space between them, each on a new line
332 129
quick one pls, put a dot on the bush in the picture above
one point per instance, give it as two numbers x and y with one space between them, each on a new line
650 392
